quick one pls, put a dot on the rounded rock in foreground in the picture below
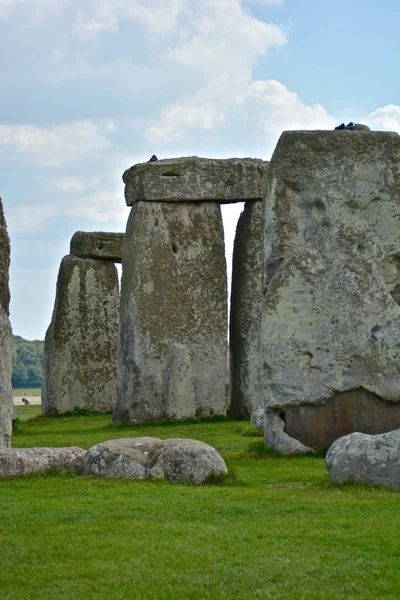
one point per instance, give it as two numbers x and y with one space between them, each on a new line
126 457
372 459
188 461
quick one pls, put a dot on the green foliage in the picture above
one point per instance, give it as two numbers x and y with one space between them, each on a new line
27 362
276 528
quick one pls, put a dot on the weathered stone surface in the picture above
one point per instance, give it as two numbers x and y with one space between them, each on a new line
6 403
173 291
6 397
245 320
126 457
373 459
80 354
97 244
276 438
330 320
188 460
195 179
356 410
145 458
257 418
4 263
178 389
25 461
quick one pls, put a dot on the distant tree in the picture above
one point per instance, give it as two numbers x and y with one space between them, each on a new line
27 362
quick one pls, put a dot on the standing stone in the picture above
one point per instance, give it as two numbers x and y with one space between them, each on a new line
245 320
6 342
80 353
178 390
331 321
173 291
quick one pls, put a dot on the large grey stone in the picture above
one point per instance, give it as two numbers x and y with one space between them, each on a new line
126 457
330 321
173 290
6 397
195 179
6 402
4 263
25 461
188 460
178 389
245 320
80 353
373 459
145 458
97 244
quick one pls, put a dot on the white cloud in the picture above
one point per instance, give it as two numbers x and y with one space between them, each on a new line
29 218
36 8
276 108
266 2
157 16
386 118
54 146
102 206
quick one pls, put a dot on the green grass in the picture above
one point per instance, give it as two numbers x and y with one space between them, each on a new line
276 529
17 392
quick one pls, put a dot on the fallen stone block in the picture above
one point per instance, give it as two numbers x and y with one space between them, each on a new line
372 459
15 462
97 244
194 179
175 460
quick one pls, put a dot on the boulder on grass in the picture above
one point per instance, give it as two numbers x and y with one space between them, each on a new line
373 459
25 461
146 458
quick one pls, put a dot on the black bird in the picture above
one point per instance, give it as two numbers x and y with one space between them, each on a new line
153 158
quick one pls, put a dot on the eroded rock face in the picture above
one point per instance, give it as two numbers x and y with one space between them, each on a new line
245 321
80 354
330 321
97 244
195 179
4 263
145 458
25 461
6 401
173 290
373 459
178 388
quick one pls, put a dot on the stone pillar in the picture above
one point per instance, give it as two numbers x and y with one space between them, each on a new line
245 320
174 279
80 354
330 315
6 341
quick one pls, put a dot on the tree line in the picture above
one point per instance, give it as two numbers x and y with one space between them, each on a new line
27 362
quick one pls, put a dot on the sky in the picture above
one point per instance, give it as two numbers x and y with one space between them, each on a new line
90 87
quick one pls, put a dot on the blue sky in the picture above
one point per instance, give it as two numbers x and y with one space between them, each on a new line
90 87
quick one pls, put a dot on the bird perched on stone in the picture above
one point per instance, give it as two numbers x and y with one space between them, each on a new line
153 158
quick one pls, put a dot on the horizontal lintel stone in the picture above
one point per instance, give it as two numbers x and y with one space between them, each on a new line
97 244
194 179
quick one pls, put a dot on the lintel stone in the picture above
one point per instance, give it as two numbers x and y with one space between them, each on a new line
97 244
196 179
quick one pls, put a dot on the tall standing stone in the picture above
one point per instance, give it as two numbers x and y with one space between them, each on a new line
173 290
6 342
174 278
245 320
331 319
80 354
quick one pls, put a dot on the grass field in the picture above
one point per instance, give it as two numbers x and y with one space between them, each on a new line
276 529
27 392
